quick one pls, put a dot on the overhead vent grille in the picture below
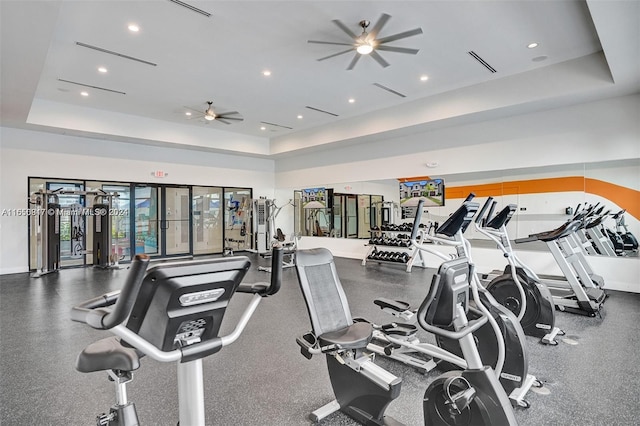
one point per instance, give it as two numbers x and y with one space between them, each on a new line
192 8
484 63
276 125
388 89
91 86
321 110
111 52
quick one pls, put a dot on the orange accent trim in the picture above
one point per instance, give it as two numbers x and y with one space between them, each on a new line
624 197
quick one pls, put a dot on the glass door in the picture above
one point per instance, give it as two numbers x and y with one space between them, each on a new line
146 220
72 224
176 214
352 216
120 220
237 219
206 207
364 216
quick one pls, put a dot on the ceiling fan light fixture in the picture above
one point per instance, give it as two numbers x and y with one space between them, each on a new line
365 48
209 116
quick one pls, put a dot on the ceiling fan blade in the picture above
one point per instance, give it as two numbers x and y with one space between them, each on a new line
224 117
378 26
398 36
344 28
336 54
329 42
354 61
222 120
375 55
398 49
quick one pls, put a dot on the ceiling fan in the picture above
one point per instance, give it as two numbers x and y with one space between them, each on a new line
209 115
367 43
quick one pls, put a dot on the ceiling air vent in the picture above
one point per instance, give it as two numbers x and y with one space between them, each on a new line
192 8
111 52
389 90
321 110
484 63
276 125
90 86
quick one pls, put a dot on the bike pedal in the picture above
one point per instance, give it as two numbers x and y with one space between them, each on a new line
461 400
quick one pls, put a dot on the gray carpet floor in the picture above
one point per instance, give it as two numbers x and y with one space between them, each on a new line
590 378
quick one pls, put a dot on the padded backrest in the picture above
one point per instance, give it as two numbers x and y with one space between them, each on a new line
322 291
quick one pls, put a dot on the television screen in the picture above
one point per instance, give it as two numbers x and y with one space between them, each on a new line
414 190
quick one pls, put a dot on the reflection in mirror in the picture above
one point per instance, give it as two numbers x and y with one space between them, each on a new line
543 196
344 216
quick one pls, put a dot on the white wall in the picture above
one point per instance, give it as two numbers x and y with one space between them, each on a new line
592 132
28 153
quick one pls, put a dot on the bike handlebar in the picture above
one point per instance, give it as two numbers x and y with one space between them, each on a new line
480 215
416 222
92 311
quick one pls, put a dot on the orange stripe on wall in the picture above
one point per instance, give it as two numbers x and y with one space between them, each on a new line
624 197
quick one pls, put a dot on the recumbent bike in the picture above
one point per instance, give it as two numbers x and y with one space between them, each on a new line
363 390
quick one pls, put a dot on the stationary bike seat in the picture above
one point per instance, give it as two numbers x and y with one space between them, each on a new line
107 354
355 336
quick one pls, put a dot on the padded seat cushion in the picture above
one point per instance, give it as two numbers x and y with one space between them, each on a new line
356 336
107 354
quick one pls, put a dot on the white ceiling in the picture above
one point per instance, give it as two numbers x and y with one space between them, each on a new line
590 49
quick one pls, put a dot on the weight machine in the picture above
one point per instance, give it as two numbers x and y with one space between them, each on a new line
46 223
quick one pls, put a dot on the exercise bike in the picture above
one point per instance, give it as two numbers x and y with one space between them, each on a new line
515 288
363 389
501 341
172 313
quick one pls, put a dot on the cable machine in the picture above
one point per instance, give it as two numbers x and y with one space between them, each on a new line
47 228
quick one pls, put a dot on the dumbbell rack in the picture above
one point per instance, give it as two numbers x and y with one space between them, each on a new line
399 241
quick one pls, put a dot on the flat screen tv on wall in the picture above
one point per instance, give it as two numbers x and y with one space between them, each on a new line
414 190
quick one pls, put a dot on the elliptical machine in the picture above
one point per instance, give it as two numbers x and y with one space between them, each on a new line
500 342
515 288
172 313
363 390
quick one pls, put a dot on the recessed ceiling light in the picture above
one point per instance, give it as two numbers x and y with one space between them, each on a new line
187 113
351 100
102 69
84 93
532 45
133 28
424 77
263 128
266 73
299 117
